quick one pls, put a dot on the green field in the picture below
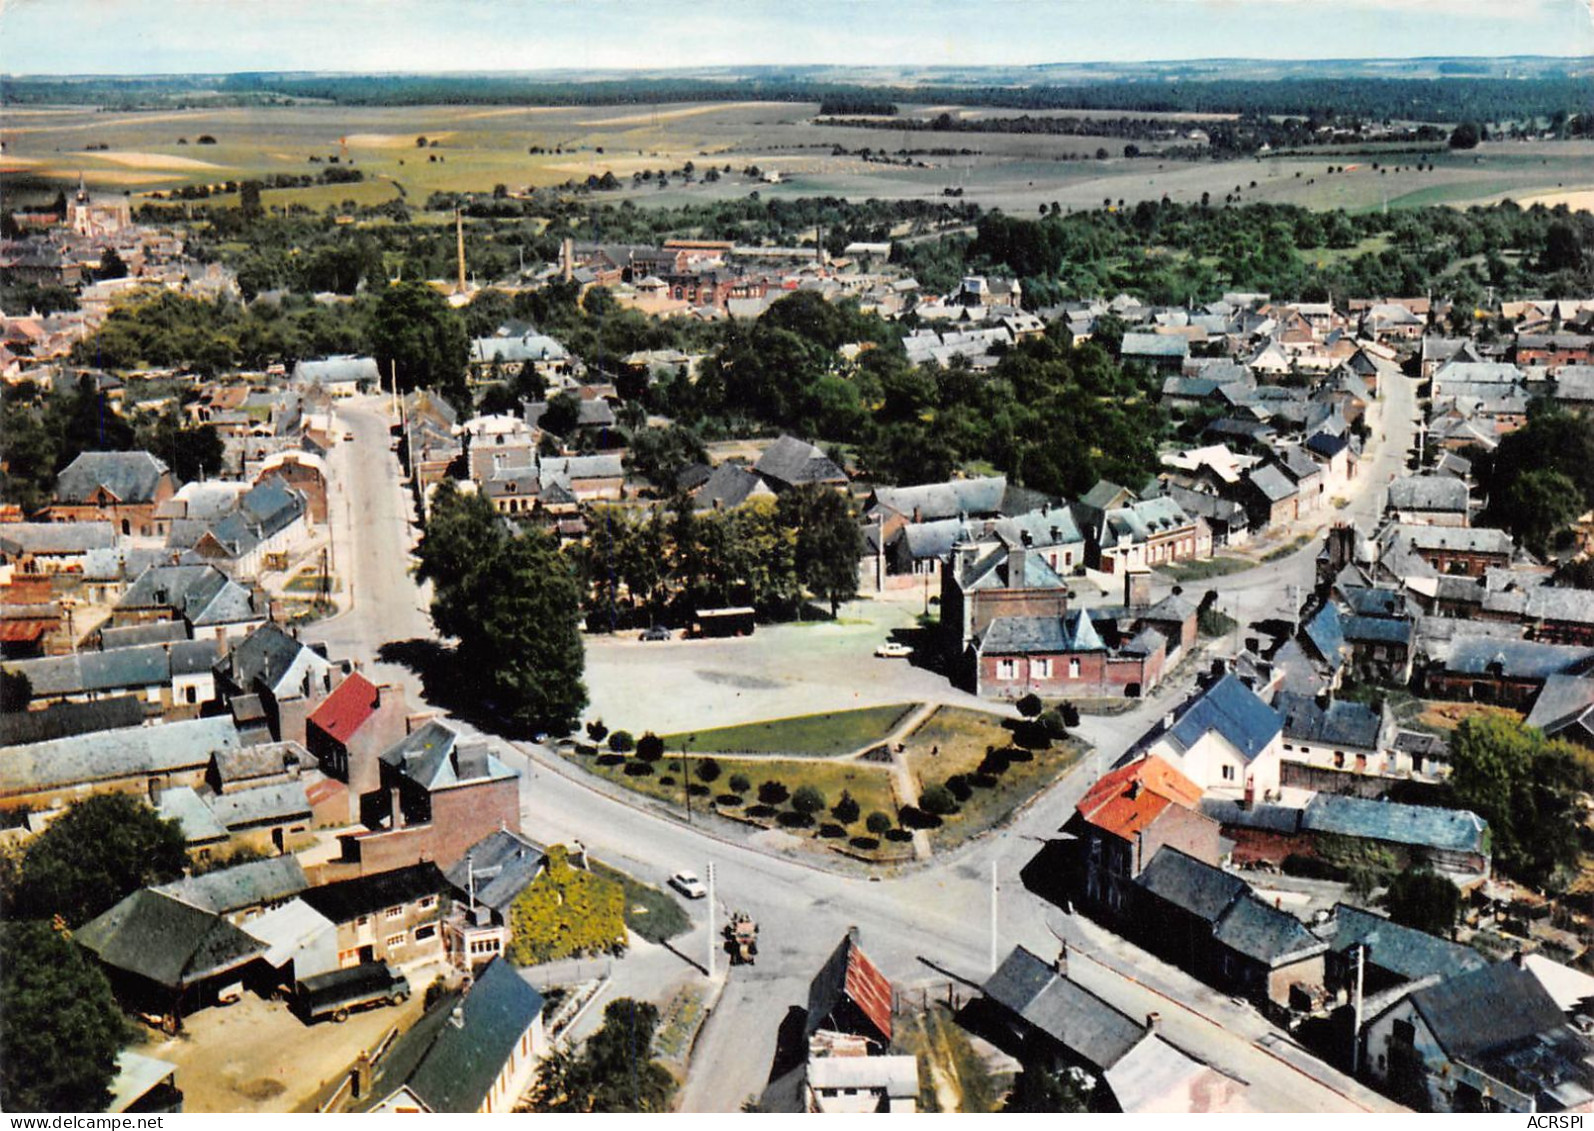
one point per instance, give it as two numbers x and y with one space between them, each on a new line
825 735
479 147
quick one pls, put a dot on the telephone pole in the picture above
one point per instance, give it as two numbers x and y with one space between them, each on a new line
995 886
711 946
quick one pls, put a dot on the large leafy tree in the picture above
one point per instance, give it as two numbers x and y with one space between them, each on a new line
1526 787
60 1029
614 1072
566 912
191 452
1423 899
513 604
104 848
829 542
414 330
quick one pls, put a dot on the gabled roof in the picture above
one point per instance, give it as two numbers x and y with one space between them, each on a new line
1234 711
1477 1011
1429 493
1066 1012
951 499
791 461
1339 723
1516 659
1127 800
347 900
1258 930
50 538
200 594
166 940
433 757
1326 634
254 884
728 486
268 658
1182 880
111 754
459 1060
501 864
131 477
1403 951
65 719
1564 702
1272 483
849 976
345 711
1423 826
1022 636
336 369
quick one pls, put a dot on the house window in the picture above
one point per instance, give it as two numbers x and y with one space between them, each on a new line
1073 669
394 941
1041 669
1006 669
427 902
393 913
363 921
1228 773
426 932
348 958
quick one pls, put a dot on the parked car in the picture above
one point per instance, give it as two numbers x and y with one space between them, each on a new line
657 632
338 993
893 650
688 885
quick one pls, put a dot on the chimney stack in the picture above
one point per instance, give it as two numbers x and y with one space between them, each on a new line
1153 1022
1062 960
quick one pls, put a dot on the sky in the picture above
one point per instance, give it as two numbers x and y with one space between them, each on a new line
164 36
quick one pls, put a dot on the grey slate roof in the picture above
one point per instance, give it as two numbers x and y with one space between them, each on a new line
434 757
62 720
1564 701
132 635
261 805
459 1063
346 900
1155 345
1186 882
953 499
1271 936
254 884
503 864
1233 710
119 669
1480 1010
1326 634
727 487
790 461
1424 826
200 594
112 754
50 538
1520 659
1373 601
336 369
132 477
1403 951
264 658
1377 630
1341 723
1429 493
1272 483
1553 603
166 940
1022 636
1066 1012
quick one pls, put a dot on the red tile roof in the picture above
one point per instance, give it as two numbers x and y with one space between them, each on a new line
869 988
346 709
1115 805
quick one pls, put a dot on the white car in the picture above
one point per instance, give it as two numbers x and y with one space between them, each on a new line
892 650
689 885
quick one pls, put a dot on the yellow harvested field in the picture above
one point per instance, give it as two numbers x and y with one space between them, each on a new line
390 141
1578 200
151 160
649 117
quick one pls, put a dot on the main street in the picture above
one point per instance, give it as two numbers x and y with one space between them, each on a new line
926 926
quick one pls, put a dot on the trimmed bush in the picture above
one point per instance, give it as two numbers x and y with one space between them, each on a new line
596 730
1030 705
878 823
938 801
1052 724
958 785
808 801
708 770
650 747
621 741
739 783
846 810
772 793
638 769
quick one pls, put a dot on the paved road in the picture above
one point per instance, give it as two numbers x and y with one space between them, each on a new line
915 925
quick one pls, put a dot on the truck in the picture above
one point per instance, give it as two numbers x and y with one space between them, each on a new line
338 993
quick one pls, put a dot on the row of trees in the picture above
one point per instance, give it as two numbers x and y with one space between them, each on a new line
665 563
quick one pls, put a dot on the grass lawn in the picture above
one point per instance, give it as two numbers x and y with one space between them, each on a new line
868 782
962 738
834 732
310 583
1201 571
1287 549
1443 716
651 912
952 1075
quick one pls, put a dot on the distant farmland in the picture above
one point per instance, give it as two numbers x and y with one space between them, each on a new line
480 147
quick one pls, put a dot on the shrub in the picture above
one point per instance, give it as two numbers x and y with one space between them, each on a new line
1053 723
708 770
621 741
740 784
846 810
1030 705
596 730
772 792
996 762
864 843
878 823
638 769
650 747
958 785
729 799
831 831
667 779
938 801
808 800
1070 714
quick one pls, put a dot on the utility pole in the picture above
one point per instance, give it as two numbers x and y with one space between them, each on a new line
994 888
711 947
1356 1023
686 784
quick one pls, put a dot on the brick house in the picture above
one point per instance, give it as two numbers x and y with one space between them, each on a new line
1226 740
348 731
1061 656
123 488
1127 817
394 916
